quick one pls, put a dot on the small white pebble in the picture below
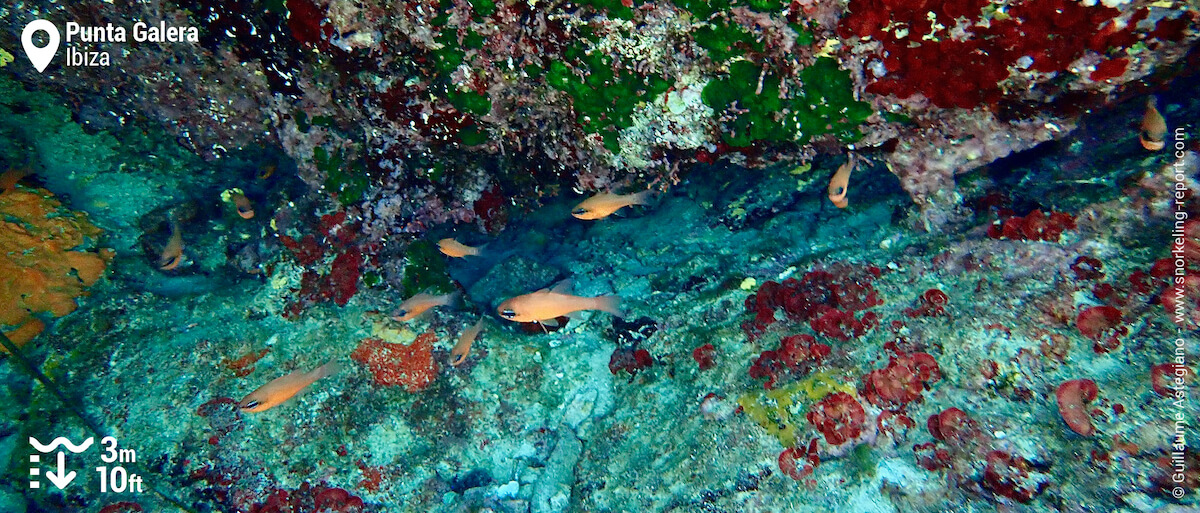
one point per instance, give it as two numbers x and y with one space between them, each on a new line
999 434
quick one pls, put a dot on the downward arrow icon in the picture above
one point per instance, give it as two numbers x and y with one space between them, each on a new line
62 478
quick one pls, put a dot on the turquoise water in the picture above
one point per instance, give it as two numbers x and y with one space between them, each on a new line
852 279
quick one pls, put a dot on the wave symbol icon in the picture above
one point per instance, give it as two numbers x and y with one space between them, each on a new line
62 440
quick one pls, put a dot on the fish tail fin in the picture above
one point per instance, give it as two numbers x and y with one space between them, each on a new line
453 298
610 304
642 198
330 368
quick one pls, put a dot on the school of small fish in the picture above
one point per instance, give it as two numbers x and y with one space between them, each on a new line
544 306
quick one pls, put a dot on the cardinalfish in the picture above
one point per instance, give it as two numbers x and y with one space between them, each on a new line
240 202
172 253
1154 127
283 388
463 347
606 203
455 249
9 179
421 303
840 183
546 305
243 206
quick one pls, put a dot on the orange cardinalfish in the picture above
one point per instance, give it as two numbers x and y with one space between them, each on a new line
456 249
172 253
606 203
840 183
283 388
545 305
421 303
1154 127
463 347
242 203
9 179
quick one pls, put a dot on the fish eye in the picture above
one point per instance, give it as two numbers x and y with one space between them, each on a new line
250 405
401 313
508 314
839 190
457 359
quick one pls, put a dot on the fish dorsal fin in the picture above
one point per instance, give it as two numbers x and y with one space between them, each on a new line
562 287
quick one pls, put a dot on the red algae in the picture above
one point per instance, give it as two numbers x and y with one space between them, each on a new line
789 461
952 426
1103 325
630 360
1109 69
931 304
244 365
796 355
902 381
411 366
967 71
1087 268
1073 397
1012 476
122 507
1168 378
704 356
827 299
839 417
1036 225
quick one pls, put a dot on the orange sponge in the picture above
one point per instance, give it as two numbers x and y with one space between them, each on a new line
46 260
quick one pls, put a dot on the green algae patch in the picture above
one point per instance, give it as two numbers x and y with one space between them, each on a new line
777 410
863 461
425 270
348 182
827 104
725 41
823 103
604 100
483 7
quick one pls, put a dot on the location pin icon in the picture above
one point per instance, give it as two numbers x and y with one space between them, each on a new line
40 57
